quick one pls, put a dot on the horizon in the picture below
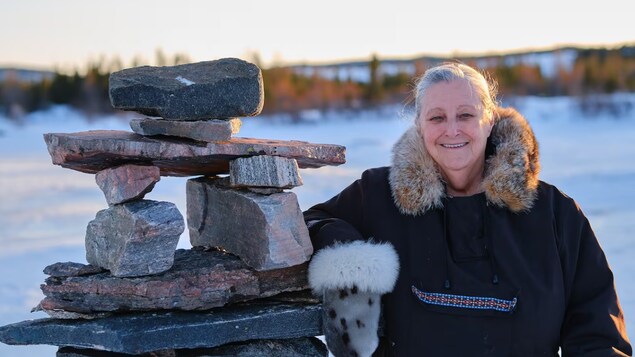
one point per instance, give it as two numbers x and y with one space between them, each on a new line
66 36
509 52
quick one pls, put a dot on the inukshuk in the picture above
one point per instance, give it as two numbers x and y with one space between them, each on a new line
249 240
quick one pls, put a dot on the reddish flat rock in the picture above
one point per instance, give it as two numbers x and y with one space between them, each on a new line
93 151
198 280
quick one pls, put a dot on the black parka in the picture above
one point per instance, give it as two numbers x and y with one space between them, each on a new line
514 271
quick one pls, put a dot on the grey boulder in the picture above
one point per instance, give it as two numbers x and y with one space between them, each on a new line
135 238
265 231
224 88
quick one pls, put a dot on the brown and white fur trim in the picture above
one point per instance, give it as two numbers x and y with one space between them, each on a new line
510 178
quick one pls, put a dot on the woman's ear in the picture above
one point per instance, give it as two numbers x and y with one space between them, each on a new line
418 126
491 120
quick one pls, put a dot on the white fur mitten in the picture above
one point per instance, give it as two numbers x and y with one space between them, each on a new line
351 278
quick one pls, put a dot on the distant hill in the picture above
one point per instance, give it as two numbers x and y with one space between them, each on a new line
292 88
24 75
549 62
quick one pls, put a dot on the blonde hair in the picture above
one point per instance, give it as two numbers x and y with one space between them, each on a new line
484 86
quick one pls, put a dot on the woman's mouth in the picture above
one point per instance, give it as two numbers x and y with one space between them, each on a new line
454 146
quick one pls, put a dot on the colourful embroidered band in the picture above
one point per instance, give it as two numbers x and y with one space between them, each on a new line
467 302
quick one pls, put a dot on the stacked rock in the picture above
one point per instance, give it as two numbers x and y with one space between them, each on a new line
249 240
133 237
271 233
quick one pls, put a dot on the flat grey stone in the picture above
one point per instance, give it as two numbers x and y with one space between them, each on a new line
224 88
265 190
265 231
135 238
71 269
293 347
224 182
69 315
264 171
127 182
202 130
93 151
198 280
156 331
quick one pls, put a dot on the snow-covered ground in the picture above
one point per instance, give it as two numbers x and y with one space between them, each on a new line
44 209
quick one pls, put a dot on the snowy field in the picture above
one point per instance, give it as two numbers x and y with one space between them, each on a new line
44 209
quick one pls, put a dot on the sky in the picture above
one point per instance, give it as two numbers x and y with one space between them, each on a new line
66 34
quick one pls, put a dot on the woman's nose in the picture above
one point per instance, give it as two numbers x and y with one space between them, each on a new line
452 128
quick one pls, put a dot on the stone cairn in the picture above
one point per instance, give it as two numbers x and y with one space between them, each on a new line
242 289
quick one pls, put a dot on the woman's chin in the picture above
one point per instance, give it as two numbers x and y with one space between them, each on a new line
454 167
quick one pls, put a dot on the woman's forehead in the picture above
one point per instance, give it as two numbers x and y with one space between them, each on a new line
452 94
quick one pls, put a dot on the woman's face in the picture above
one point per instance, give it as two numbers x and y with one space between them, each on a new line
454 127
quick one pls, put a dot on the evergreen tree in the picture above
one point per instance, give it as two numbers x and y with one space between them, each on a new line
374 92
64 89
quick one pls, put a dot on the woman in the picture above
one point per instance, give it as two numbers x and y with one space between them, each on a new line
470 253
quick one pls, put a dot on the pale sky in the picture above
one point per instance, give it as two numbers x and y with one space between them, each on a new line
66 34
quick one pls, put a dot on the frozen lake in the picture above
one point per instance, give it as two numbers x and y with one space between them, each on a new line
44 209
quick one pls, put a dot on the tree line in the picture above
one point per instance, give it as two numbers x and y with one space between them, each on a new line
289 90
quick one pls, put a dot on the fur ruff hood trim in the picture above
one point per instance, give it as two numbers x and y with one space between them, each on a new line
371 267
511 172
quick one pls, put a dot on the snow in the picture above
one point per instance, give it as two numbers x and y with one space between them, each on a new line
44 209
185 81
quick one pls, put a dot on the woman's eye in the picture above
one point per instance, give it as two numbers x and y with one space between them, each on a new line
436 118
466 115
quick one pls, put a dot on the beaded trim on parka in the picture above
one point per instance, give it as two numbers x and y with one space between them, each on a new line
466 302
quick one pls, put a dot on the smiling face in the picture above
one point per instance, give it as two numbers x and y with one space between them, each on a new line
455 127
